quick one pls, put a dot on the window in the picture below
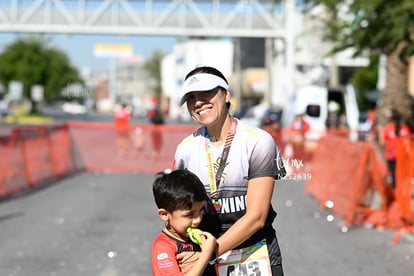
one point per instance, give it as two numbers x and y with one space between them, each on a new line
313 110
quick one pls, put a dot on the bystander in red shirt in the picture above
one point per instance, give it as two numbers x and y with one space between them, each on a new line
297 129
122 117
390 139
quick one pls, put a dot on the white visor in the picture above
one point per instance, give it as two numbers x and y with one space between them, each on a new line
201 82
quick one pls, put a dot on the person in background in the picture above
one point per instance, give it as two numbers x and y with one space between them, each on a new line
343 122
275 129
298 128
179 196
139 138
296 137
332 122
156 117
122 116
372 134
388 138
372 118
157 121
237 163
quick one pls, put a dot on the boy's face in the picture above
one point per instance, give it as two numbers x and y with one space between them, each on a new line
179 220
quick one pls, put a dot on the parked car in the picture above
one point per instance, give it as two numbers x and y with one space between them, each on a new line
73 108
4 105
262 115
4 109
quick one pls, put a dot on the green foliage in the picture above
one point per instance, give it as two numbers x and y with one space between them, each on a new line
377 25
382 27
153 67
365 81
31 61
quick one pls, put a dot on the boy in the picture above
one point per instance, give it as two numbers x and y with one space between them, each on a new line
180 197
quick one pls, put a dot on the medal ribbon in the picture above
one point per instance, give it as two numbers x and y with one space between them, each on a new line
214 178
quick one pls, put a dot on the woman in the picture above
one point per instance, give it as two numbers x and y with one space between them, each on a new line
237 163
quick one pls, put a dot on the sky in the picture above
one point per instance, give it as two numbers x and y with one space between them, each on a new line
80 48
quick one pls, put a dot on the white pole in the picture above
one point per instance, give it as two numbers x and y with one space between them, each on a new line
112 80
284 64
290 35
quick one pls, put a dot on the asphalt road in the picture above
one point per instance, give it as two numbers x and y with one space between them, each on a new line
96 224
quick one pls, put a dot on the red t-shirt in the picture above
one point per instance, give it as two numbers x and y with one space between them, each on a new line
164 251
297 130
122 117
299 126
390 139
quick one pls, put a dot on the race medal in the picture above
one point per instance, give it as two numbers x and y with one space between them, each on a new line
213 207
217 206
249 261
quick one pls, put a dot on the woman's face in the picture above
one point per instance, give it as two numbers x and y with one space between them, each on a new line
206 107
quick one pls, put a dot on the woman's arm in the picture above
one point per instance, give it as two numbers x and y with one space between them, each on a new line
259 196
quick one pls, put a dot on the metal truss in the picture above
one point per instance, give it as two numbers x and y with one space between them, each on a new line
187 18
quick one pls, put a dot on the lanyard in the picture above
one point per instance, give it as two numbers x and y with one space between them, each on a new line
214 179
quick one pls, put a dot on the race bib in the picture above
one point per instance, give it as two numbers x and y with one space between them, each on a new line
249 261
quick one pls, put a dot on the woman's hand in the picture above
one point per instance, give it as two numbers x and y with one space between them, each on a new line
187 259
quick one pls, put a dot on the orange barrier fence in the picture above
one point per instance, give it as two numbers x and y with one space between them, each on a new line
144 149
33 155
302 150
404 178
352 179
348 175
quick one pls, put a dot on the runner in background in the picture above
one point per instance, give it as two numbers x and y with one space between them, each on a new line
122 117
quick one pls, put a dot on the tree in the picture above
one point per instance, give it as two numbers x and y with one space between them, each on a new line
381 27
153 67
31 61
365 81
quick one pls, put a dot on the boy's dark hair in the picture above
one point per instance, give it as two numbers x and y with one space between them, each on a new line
177 190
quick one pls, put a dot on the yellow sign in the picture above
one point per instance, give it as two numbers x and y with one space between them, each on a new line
113 50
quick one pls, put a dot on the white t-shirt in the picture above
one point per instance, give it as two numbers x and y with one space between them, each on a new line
253 153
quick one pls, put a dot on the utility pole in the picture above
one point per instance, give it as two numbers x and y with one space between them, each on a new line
290 35
238 77
269 60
